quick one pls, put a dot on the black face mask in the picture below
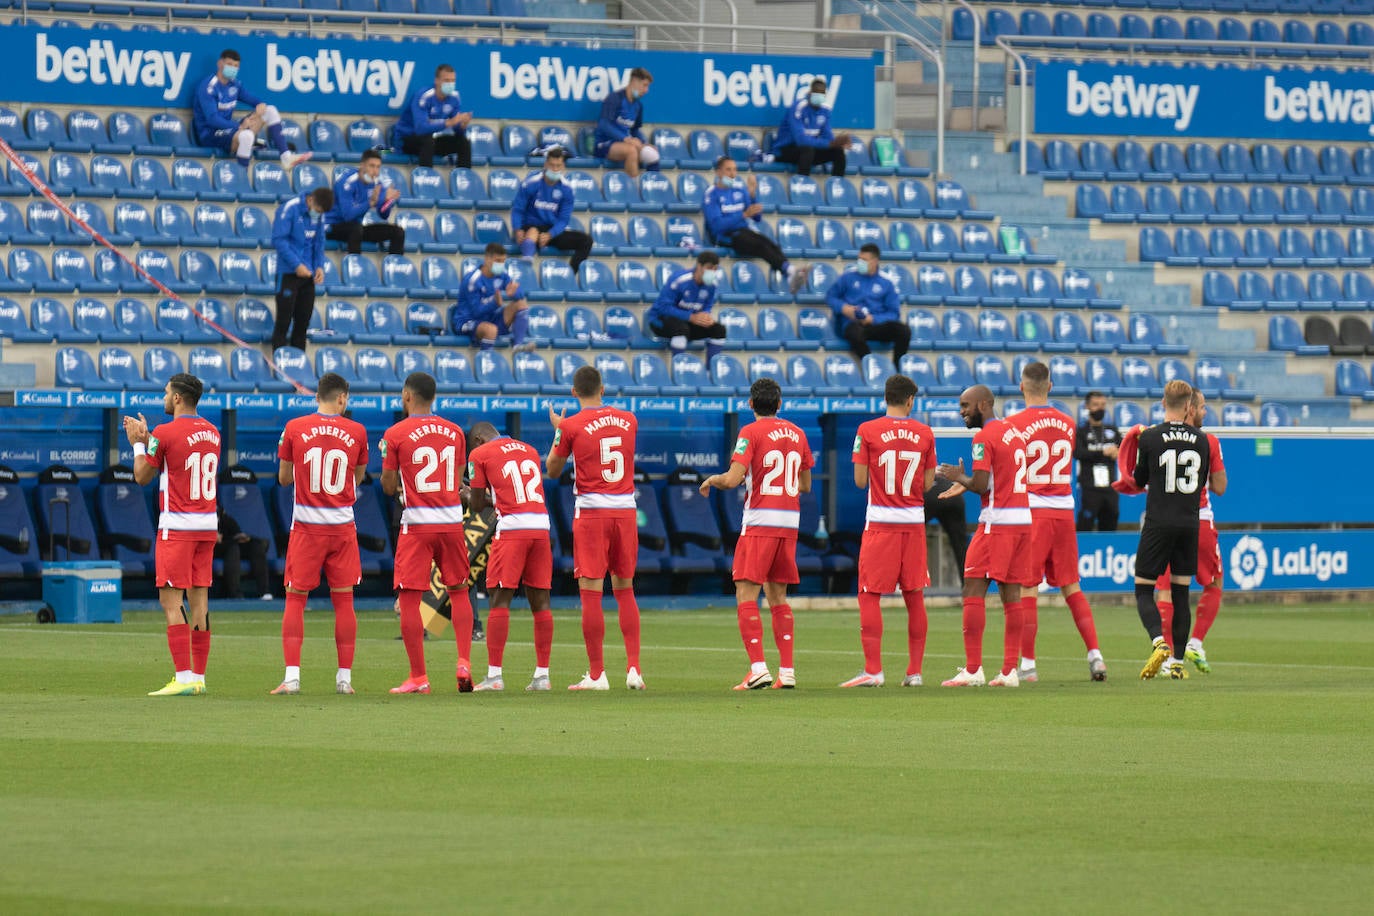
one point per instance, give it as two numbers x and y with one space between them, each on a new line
1097 414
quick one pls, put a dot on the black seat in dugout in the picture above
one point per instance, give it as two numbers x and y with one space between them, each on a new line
64 523
1356 335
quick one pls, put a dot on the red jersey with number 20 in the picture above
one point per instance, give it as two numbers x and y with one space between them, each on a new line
186 452
323 451
429 453
774 452
512 471
1000 448
897 451
601 442
1049 456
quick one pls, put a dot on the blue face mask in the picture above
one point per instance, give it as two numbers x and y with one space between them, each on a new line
231 71
498 268
861 267
552 177
448 88
817 99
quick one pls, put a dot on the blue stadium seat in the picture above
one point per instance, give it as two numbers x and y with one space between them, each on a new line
804 195
726 372
67 176
740 145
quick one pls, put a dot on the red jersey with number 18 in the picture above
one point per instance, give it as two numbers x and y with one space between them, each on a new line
774 452
429 453
897 451
601 442
186 452
323 451
1000 448
512 471
1049 456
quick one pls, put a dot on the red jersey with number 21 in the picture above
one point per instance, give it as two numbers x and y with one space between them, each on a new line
186 452
1000 448
512 471
429 453
601 442
774 452
323 451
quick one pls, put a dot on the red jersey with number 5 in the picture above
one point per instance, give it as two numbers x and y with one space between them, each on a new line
1049 456
186 451
1000 448
512 471
601 442
897 451
429 453
774 452
323 451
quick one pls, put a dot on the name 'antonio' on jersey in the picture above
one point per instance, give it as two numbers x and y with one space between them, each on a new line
897 451
774 452
1173 463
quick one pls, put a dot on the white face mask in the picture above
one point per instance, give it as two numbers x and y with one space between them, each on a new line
448 88
817 99
552 177
712 276
367 179
498 268
231 71
862 267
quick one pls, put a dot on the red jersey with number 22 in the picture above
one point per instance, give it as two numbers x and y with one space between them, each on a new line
429 453
512 471
1000 448
323 451
1049 456
897 451
186 452
601 442
774 452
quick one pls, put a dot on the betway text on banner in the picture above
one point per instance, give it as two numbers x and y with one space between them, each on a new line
69 65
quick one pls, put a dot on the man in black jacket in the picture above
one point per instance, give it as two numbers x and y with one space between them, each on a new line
1095 447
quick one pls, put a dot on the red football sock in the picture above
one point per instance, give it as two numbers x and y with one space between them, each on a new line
413 631
871 631
593 632
200 651
629 624
461 607
498 628
916 625
1207 607
751 630
293 628
975 621
1011 634
543 637
782 632
1030 623
179 644
1083 619
345 626
1166 616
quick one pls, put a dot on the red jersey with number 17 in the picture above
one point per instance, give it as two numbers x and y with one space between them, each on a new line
897 452
601 442
774 452
512 471
1049 456
1000 448
186 452
429 453
323 450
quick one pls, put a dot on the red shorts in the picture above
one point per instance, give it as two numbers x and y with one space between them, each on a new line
1208 558
892 558
605 541
1002 555
184 563
513 561
1054 546
417 550
311 551
765 558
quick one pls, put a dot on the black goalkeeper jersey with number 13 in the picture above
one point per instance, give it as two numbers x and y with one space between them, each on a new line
1173 461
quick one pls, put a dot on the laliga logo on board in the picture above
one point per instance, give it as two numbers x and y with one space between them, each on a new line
1107 564
1248 563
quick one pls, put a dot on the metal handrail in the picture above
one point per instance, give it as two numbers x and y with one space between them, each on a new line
1024 70
977 40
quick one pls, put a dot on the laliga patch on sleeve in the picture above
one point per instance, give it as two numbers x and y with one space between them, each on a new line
858 443
381 447
741 446
557 436
153 445
977 451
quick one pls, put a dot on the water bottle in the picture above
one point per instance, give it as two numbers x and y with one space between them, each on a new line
822 534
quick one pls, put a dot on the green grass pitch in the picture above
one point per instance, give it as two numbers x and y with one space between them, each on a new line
1245 791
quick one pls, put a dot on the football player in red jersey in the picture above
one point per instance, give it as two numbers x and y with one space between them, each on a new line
184 454
999 551
507 473
423 457
894 459
773 460
601 442
1054 539
324 455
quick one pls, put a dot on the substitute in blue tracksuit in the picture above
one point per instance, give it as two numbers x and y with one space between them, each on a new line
298 235
357 192
805 137
490 303
682 312
618 134
213 121
542 209
730 209
867 307
433 122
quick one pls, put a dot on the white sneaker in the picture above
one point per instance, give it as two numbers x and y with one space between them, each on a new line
864 679
528 346
286 688
963 678
1028 675
911 680
590 683
1097 669
344 687
1010 679
786 679
538 682
491 683
633 681
290 160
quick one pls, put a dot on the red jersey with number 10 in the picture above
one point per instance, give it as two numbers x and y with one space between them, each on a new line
429 453
512 471
186 451
323 451
601 442
897 452
1000 448
774 452
1049 456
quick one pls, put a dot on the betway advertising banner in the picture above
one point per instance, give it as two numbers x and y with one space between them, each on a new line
76 66
1165 100
1250 561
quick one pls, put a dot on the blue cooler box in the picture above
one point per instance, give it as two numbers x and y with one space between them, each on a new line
87 592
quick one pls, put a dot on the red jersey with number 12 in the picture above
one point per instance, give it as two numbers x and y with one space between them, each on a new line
1049 456
774 452
897 452
323 451
429 453
512 471
186 451
1000 448
601 442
